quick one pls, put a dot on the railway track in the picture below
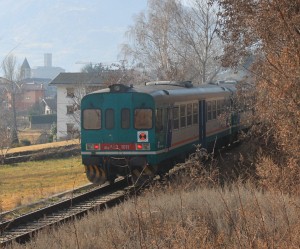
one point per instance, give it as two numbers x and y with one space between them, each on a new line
22 228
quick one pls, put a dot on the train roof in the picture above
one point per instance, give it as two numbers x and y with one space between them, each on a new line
172 88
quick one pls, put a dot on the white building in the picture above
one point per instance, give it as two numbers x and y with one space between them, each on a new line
71 87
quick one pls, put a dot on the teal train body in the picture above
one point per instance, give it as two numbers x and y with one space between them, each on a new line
140 130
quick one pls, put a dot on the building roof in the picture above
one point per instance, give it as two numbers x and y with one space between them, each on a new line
36 80
77 78
32 87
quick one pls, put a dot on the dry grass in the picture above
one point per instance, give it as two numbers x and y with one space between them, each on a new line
23 183
235 217
184 214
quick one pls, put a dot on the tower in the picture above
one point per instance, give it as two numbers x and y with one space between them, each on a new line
48 60
25 70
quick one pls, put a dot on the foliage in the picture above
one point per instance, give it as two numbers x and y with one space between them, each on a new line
12 74
175 41
119 72
25 142
270 31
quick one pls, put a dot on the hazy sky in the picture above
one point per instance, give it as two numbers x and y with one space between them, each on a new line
72 30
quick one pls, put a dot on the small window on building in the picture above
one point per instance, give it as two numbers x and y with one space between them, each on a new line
189 116
91 119
195 113
143 119
176 118
70 109
109 119
125 118
70 92
182 116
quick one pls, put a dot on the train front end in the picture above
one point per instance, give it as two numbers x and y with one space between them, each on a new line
117 134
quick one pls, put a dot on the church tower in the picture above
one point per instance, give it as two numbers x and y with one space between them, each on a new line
25 70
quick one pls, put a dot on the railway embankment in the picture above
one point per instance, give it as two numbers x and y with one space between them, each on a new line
60 149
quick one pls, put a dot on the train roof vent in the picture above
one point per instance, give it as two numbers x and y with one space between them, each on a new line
119 88
187 84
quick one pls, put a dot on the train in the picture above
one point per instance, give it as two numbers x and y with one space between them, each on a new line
139 130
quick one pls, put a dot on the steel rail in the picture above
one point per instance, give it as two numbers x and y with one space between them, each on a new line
21 229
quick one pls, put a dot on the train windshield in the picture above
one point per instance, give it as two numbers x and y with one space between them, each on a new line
91 119
143 119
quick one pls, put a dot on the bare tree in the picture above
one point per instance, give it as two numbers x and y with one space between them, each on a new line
176 41
11 73
5 133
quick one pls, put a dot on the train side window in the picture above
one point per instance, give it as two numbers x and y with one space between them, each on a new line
176 118
209 113
182 116
195 113
109 119
189 116
223 104
125 118
214 109
91 119
159 120
219 107
143 119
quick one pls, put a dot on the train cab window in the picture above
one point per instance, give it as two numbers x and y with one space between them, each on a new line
91 119
109 119
189 116
143 119
176 117
182 116
125 118
195 113
159 120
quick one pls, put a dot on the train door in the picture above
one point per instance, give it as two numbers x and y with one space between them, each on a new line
202 123
162 128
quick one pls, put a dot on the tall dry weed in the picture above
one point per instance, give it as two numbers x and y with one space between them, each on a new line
283 178
235 217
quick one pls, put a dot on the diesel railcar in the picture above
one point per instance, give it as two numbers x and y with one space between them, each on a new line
137 130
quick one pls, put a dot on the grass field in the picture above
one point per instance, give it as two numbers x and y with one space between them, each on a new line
24 183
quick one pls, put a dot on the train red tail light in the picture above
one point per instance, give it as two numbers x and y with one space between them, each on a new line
143 146
139 146
93 147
